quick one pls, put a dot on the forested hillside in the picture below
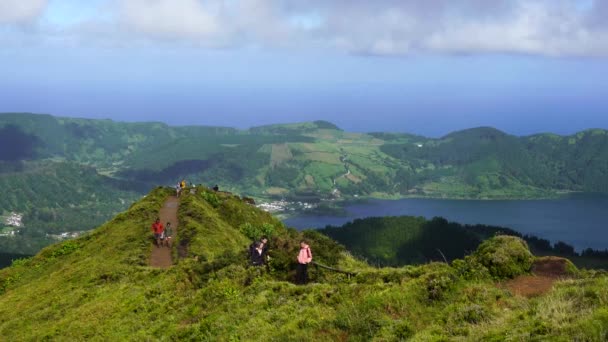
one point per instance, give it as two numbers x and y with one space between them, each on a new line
100 287
318 158
405 240
67 174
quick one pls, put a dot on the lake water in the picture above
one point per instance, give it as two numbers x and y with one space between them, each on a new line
579 220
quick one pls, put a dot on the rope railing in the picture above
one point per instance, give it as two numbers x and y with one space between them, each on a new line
349 274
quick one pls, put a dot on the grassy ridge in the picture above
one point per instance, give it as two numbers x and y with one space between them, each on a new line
99 288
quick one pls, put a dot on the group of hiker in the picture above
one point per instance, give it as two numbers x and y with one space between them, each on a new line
258 250
258 256
163 234
181 186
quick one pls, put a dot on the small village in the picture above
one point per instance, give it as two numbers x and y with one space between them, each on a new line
65 235
11 224
285 206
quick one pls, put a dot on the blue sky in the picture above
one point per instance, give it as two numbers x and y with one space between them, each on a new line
426 67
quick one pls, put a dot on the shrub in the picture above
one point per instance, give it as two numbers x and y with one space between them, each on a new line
438 281
504 256
211 198
66 248
256 232
470 268
403 331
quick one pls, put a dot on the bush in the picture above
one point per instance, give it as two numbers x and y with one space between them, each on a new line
504 256
256 232
211 198
470 268
66 248
438 281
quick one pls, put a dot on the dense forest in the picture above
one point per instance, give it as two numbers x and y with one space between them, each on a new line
404 240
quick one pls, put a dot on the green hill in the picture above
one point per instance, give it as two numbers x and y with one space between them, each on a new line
58 197
99 287
317 158
52 168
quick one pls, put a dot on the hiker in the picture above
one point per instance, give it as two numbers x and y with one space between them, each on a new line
216 188
168 234
157 230
178 189
257 254
304 258
264 242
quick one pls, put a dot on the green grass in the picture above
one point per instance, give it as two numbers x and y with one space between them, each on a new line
98 287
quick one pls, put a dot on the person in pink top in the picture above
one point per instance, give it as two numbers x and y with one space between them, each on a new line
304 258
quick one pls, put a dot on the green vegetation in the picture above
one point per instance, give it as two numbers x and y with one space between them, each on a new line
99 287
69 174
58 197
504 256
6 259
404 240
317 158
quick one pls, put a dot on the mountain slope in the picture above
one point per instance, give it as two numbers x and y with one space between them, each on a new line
42 158
317 158
99 287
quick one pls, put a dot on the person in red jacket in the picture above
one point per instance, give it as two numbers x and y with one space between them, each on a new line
157 230
304 258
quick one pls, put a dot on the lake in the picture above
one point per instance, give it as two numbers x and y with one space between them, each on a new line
580 220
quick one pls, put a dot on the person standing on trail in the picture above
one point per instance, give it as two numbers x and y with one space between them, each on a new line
257 254
264 244
304 258
157 230
178 189
168 234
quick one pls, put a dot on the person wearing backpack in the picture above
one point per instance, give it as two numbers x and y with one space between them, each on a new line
304 258
157 230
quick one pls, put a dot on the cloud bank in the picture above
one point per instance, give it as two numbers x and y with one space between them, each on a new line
374 27
20 11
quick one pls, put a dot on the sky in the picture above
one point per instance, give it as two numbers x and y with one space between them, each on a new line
426 67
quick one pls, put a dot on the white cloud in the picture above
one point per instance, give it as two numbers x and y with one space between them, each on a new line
19 11
171 18
378 27
211 22
541 27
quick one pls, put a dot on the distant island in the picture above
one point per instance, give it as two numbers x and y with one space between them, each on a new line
67 175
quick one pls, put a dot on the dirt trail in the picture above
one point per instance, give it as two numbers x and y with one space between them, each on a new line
546 272
161 256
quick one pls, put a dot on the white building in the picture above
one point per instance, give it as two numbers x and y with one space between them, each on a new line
14 219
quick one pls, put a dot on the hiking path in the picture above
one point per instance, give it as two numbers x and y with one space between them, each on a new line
161 256
544 274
